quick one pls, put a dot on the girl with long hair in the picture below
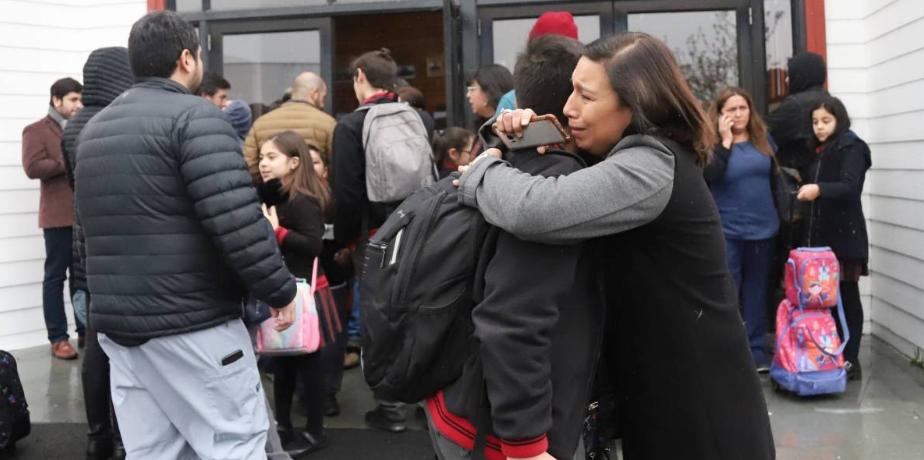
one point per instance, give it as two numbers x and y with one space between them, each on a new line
294 199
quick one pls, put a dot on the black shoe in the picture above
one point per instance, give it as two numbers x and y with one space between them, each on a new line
99 448
386 419
331 406
314 442
286 433
854 372
118 450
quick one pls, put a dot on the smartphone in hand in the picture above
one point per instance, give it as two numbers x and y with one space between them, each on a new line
542 130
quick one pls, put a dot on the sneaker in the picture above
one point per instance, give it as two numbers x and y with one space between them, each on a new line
763 368
314 442
386 420
63 349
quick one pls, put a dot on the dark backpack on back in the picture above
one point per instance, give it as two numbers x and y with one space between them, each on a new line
419 285
423 275
14 412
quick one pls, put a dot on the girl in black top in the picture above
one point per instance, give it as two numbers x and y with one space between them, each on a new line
834 185
293 200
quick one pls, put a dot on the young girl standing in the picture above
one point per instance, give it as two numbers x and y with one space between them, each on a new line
294 198
835 183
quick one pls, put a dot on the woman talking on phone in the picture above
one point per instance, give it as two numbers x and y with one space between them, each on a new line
742 176
687 387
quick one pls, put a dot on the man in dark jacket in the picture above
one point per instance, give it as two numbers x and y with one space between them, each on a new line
374 76
538 343
106 75
174 237
791 123
42 159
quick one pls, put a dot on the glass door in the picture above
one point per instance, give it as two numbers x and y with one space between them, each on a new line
503 31
711 39
261 58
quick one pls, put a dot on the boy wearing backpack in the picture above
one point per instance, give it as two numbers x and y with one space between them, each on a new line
524 389
356 136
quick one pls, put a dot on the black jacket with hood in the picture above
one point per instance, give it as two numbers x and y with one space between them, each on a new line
791 123
106 74
175 234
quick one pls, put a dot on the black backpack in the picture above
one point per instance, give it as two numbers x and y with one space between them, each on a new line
14 412
422 275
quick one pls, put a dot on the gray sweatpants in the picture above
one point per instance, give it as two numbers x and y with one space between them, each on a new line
176 400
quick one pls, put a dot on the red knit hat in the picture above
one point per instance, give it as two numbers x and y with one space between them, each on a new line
554 23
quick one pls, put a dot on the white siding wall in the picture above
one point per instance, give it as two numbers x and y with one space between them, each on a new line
40 41
876 65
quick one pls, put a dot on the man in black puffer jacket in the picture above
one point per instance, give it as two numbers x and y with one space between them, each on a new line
106 74
174 238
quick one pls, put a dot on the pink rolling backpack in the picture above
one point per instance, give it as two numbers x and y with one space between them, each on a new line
808 358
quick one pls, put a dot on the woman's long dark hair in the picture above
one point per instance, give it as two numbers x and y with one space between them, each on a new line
495 80
835 107
303 180
757 129
646 78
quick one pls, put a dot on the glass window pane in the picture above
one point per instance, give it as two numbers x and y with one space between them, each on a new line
705 44
253 4
188 5
778 33
510 36
260 67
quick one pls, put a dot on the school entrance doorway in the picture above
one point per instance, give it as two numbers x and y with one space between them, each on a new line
260 58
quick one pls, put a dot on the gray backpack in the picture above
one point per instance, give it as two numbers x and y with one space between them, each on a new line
399 159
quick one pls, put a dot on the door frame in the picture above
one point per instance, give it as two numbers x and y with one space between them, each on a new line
325 26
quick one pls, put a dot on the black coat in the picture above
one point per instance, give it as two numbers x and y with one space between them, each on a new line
791 123
106 75
301 227
174 230
678 351
791 127
836 217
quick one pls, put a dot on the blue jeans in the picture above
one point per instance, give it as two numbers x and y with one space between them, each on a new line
58 247
353 328
749 262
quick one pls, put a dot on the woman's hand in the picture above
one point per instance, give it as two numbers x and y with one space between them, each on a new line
513 122
493 152
725 131
270 214
809 192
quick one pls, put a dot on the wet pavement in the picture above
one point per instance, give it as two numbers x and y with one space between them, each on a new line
880 417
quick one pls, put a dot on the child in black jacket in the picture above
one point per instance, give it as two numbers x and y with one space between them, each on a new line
293 199
835 182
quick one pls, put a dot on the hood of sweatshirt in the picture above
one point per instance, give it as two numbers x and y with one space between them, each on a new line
106 75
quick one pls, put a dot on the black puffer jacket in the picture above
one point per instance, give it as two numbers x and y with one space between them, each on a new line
791 123
106 74
837 216
175 235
